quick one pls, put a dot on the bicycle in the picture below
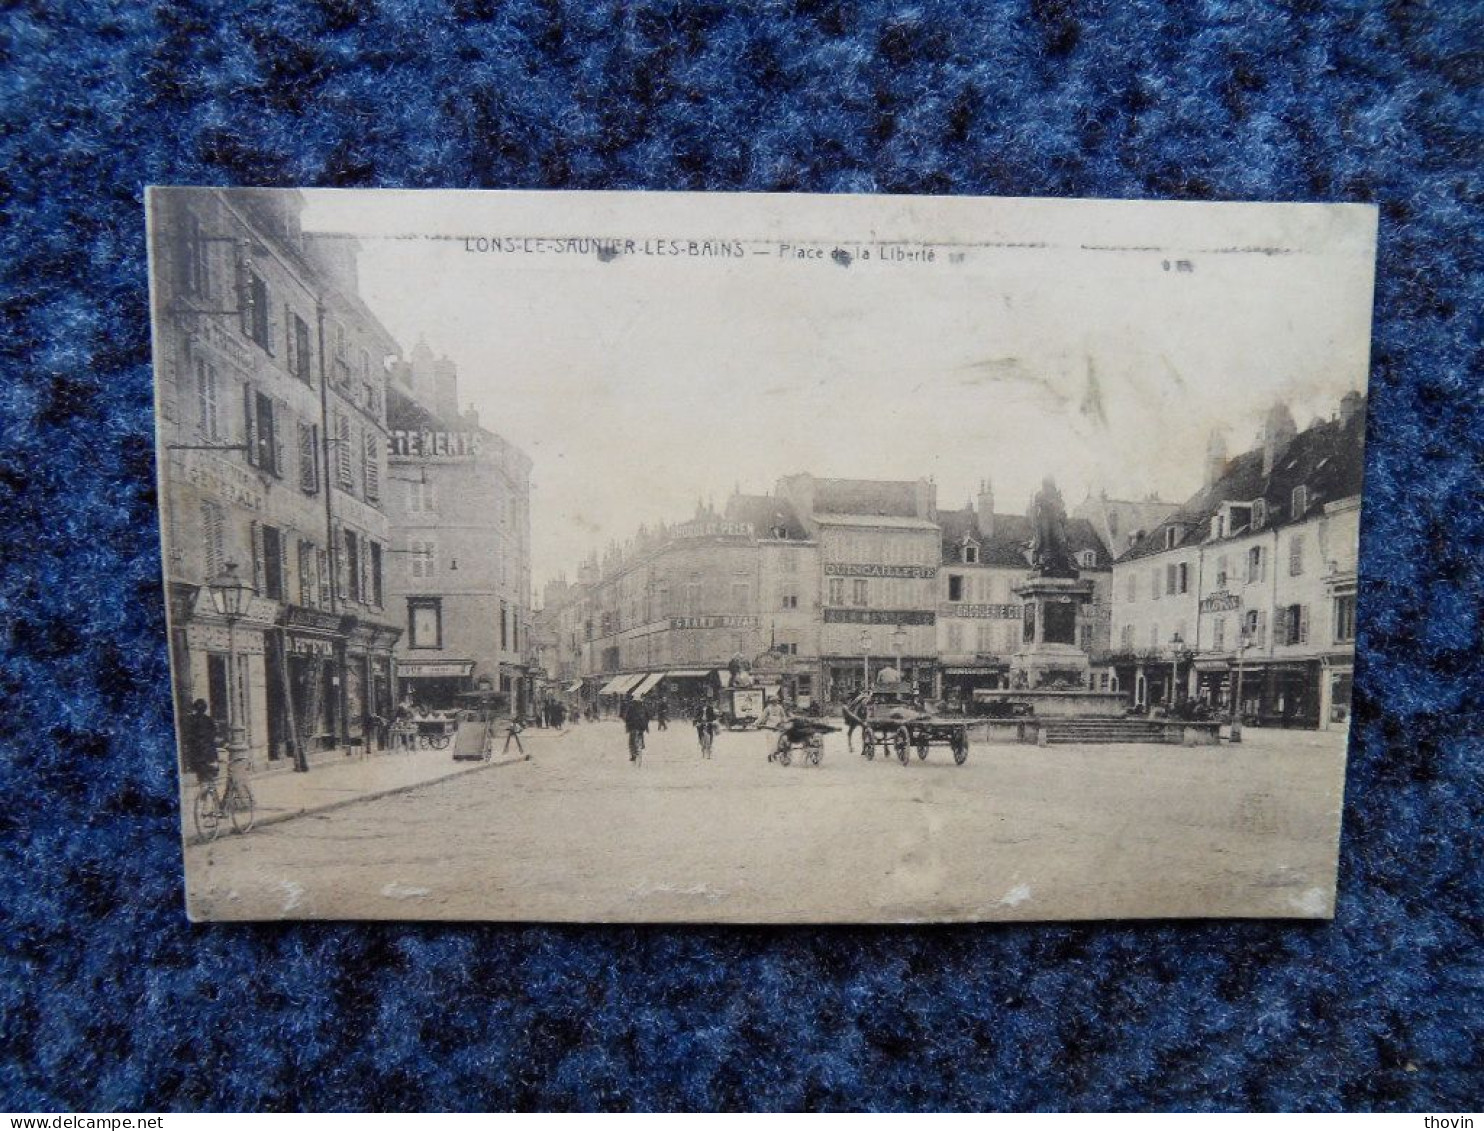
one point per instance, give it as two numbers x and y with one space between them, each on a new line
233 802
636 747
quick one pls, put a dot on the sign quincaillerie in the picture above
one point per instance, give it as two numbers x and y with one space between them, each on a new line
870 569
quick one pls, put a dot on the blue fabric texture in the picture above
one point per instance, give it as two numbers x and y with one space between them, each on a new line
109 999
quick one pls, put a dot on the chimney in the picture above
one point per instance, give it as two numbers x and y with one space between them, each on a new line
984 508
1215 458
926 501
1351 405
446 390
1278 431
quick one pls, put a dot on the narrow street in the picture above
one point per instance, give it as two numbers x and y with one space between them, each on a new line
1018 832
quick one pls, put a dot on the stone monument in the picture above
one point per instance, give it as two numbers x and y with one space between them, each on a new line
1049 657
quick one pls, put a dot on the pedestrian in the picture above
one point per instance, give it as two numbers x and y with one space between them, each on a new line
558 715
636 723
200 743
775 715
512 734
662 715
706 721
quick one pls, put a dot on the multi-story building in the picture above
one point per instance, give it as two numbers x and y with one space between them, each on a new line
271 388
1255 573
459 575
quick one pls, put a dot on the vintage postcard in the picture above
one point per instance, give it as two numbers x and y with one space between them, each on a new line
643 557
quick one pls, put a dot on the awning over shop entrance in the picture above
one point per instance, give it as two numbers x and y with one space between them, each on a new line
622 684
575 685
647 685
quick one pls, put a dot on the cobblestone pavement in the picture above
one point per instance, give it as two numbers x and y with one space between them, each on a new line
1018 832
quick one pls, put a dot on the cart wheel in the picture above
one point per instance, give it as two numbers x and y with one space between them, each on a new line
784 753
903 742
439 741
241 806
868 747
960 749
922 748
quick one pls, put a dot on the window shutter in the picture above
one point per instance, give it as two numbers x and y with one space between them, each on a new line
342 574
211 534
372 469
250 418
306 574
259 571
342 452
1303 625
1262 629
270 320
307 459
280 425
363 562
244 292
321 578
290 350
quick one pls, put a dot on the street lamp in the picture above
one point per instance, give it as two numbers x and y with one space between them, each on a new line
866 659
1244 641
899 638
1175 643
231 595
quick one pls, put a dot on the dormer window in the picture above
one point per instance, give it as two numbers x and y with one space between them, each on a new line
1087 559
1259 513
1300 501
1172 536
971 554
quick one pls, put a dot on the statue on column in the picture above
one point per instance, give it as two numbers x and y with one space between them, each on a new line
1050 556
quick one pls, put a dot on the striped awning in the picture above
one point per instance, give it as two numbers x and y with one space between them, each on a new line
647 684
620 683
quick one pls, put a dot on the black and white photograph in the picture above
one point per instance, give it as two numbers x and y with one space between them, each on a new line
668 557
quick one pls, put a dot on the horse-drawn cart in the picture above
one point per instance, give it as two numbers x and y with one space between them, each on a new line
895 719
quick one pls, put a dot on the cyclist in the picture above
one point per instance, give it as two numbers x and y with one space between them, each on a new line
636 722
706 721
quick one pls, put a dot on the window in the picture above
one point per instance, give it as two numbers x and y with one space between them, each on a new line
1133 587
1172 578
192 264
1296 556
213 538
308 576
1293 624
424 558
274 552
1085 634
371 467
1221 571
1154 584
955 587
343 466
1088 559
263 450
1182 577
353 566
1154 638
504 626
255 310
1126 638
1259 513
424 622
376 590
1299 501
790 600
420 497
1255 571
971 554
1172 536
836 593
1218 634
860 592
309 458
206 399
1255 625
298 354
1345 619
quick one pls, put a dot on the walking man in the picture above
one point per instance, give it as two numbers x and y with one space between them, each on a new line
512 734
200 742
636 722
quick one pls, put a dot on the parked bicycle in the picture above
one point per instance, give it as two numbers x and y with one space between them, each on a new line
224 800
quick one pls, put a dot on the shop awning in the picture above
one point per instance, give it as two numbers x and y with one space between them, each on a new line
434 669
648 684
575 685
619 683
690 674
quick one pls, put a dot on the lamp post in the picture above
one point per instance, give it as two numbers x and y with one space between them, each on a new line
230 595
1175 643
866 660
899 638
1244 641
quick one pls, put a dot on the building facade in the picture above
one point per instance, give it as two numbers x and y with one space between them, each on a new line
459 576
1253 579
272 390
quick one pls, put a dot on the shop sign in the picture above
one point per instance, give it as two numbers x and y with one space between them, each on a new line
297 616
714 622
311 646
226 482
429 669
879 616
712 530
408 444
979 612
869 569
1221 601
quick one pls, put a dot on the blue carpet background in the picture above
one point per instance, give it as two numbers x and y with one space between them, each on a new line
109 999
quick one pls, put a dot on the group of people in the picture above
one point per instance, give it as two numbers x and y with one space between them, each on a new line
554 713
